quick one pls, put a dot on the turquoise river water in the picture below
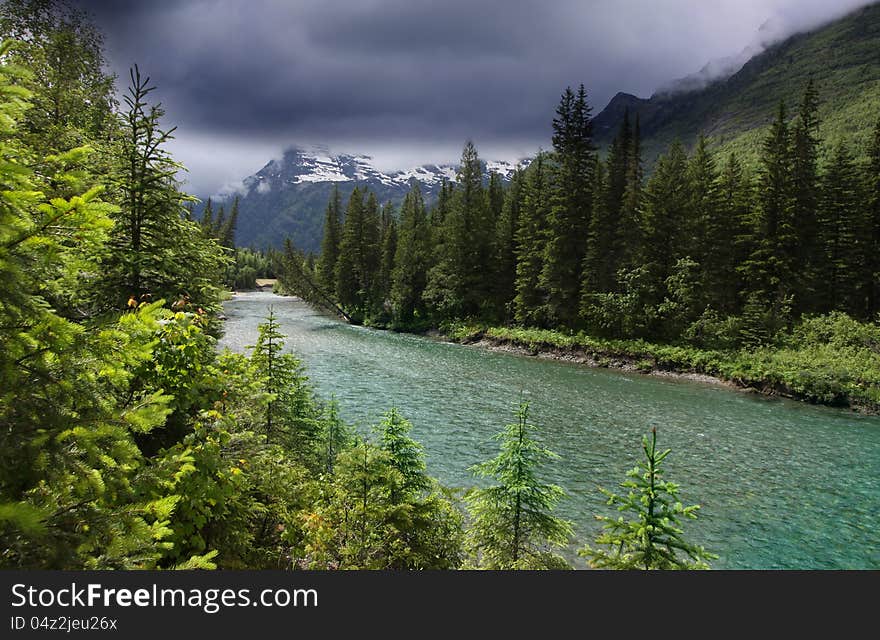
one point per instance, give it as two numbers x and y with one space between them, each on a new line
783 485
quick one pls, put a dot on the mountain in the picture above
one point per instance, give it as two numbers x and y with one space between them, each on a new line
287 197
734 110
731 100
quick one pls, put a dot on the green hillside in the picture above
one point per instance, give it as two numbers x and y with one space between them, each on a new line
843 58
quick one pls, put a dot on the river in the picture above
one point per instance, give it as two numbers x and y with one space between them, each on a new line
782 484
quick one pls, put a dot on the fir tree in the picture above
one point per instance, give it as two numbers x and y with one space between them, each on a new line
330 242
386 263
871 276
513 524
665 220
629 225
807 250
653 538
410 273
569 220
156 252
456 286
734 215
768 269
709 231
506 248
350 265
530 234
405 455
843 232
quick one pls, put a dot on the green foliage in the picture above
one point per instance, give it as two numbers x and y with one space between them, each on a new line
292 416
512 522
155 251
652 539
407 456
360 523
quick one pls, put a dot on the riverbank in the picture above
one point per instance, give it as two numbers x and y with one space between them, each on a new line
819 370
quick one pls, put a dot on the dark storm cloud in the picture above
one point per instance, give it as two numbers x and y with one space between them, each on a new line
408 79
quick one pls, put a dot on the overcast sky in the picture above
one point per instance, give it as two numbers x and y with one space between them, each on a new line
408 81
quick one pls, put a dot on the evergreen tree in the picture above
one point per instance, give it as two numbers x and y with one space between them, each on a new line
372 243
506 248
843 232
357 524
227 230
807 250
350 265
292 417
389 250
665 220
410 273
871 278
457 287
69 403
335 435
405 455
768 269
569 220
330 242
156 252
653 538
734 215
629 226
710 233
513 524
601 261
530 234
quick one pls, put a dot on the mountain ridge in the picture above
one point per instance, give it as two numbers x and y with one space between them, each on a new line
288 195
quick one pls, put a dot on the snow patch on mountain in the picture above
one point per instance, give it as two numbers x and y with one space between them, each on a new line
318 165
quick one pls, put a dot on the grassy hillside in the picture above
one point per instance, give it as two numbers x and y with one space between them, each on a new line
843 58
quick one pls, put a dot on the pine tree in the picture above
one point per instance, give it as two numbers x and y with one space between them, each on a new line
871 278
372 243
513 524
457 286
709 231
506 249
207 220
155 251
350 265
530 234
330 242
601 261
336 436
386 263
292 417
807 250
227 230
768 269
630 224
734 215
569 220
653 538
405 455
843 228
411 260
665 220
69 402
357 524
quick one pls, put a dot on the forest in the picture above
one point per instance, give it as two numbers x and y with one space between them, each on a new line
128 441
765 275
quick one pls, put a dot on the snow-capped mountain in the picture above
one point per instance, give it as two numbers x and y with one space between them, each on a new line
287 197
